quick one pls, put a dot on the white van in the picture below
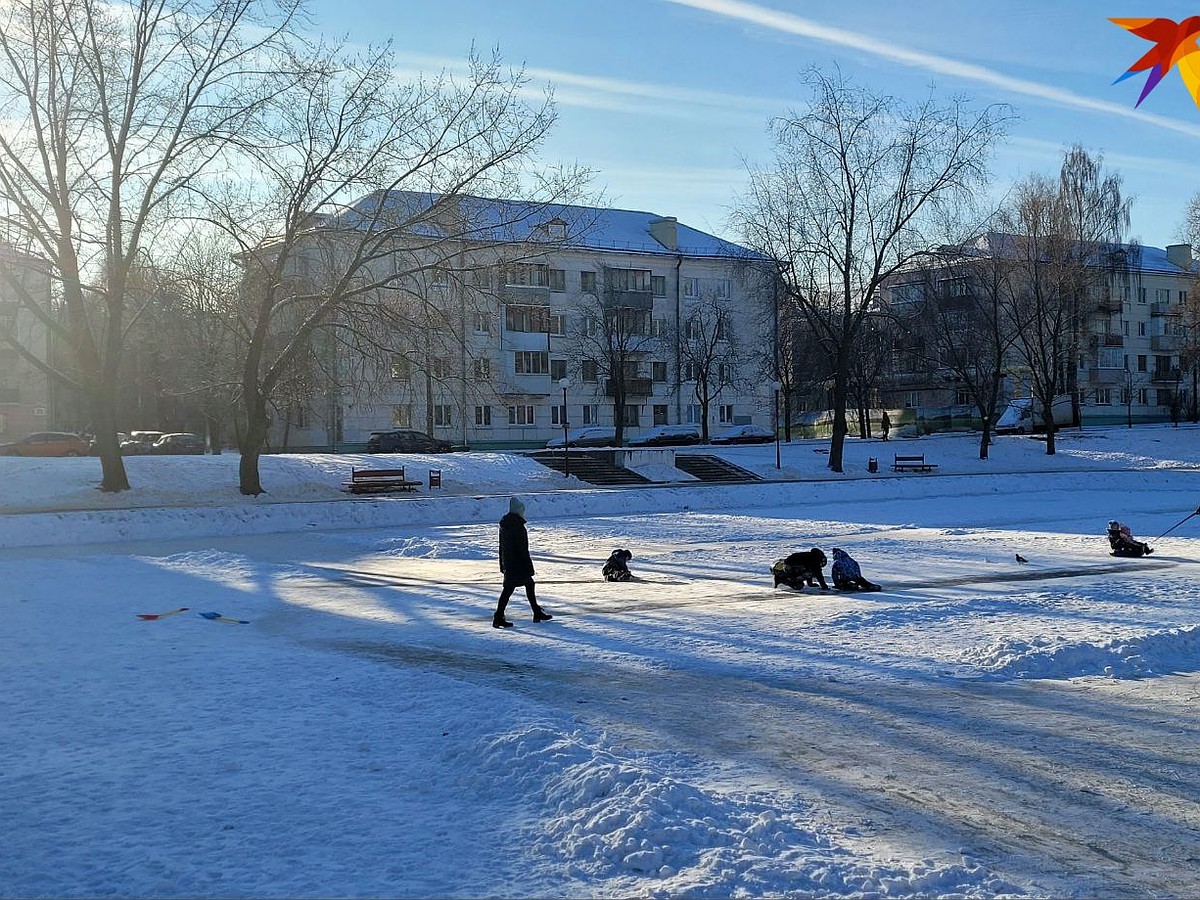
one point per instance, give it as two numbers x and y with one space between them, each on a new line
1024 415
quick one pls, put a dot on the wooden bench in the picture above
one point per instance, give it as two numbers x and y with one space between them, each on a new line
435 478
912 464
368 481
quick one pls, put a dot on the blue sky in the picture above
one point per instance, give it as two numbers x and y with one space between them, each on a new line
668 99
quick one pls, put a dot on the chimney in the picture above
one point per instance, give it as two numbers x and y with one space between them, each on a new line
665 231
1180 255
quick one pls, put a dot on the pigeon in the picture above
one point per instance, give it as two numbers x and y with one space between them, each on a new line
1020 558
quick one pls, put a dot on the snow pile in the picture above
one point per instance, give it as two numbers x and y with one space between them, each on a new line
1156 653
612 817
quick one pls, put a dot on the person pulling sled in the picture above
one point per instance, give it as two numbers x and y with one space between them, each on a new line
617 566
1123 543
846 574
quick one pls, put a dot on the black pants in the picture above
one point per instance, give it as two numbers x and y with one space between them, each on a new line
507 591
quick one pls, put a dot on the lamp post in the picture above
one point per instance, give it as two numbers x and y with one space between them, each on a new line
565 383
775 385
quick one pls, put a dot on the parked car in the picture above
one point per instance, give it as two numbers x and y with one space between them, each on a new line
667 436
745 434
590 436
140 442
403 441
180 442
46 443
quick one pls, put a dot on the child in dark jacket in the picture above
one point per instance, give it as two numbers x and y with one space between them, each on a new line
846 574
617 566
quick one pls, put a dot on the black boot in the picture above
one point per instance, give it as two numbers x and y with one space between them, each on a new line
498 621
540 615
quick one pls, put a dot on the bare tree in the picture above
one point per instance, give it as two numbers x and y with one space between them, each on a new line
613 337
418 156
709 353
115 110
861 186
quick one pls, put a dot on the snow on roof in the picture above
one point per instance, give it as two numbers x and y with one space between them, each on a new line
1139 257
578 227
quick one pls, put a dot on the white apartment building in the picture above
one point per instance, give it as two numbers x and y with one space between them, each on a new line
25 391
514 345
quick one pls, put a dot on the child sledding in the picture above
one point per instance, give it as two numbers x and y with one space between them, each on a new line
803 569
846 574
1123 543
616 568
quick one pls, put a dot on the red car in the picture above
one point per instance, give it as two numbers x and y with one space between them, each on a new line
47 443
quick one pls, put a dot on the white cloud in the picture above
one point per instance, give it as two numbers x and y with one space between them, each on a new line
941 65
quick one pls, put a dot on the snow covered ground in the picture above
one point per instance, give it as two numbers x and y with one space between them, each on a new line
982 727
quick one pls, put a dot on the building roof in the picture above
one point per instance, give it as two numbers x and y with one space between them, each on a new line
565 225
1138 257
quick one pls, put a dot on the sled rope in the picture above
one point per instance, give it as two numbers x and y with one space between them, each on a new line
1177 524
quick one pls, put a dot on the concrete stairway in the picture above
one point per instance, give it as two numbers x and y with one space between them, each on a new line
592 466
712 468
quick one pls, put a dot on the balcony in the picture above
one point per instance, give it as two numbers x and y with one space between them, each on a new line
525 340
1161 309
1108 340
1166 343
525 386
634 387
640 300
1106 375
525 295
1165 376
1108 305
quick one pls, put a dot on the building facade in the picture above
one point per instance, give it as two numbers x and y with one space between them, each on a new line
519 339
1132 359
26 397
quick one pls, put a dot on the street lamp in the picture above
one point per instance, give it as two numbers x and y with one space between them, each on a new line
565 383
775 385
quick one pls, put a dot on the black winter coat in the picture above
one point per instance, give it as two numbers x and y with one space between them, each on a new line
515 561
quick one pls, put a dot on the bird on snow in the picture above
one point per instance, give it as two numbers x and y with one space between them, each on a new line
1020 558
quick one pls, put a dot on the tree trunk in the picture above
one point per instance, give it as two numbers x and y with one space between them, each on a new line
837 442
254 438
112 465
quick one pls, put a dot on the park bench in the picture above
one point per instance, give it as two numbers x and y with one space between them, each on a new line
912 464
368 481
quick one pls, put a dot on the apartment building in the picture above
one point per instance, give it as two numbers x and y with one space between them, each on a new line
545 326
25 391
1135 352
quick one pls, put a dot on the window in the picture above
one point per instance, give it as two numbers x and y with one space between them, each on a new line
1164 396
558 415
483 369
722 288
658 373
587 370
723 372
1125 328
401 368
591 326
443 415
1183 295
1141 295
1143 396
691 371
912 400
587 282
725 413
631 415
694 416
535 319
1141 363
402 416
531 362
629 279
589 414
1109 358
527 275
660 414
691 288
558 369
439 367
722 330
1141 329
1125 294
556 229
483 416
963 397
483 323
1126 397
558 324
558 280
520 415
1162 295
692 330
658 285
1104 396
659 327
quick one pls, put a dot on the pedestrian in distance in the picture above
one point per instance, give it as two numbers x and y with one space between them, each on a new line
846 574
516 565
885 425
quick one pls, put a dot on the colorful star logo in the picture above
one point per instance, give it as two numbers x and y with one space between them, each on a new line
1174 45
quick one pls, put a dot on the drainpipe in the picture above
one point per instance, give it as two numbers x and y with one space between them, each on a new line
678 346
